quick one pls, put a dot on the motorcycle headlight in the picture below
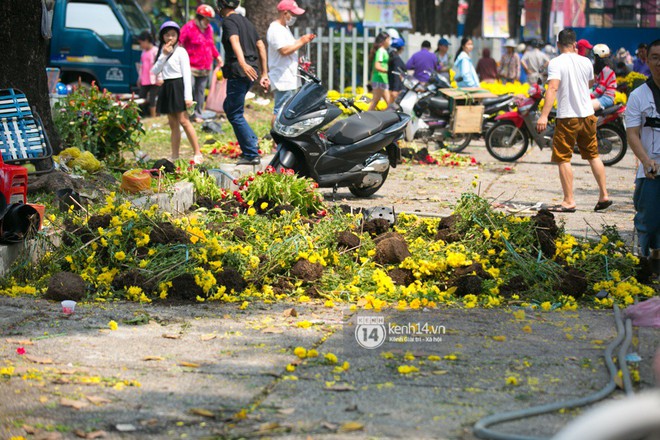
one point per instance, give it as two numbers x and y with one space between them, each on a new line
296 129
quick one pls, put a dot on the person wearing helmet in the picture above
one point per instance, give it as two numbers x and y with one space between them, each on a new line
283 53
245 63
604 90
395 64
197 38
175 96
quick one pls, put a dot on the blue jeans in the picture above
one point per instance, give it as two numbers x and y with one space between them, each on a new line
234 108
282 97
647 217
605 101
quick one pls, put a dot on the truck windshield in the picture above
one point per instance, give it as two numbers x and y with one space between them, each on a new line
135 17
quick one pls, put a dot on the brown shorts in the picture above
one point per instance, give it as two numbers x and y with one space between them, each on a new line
570 131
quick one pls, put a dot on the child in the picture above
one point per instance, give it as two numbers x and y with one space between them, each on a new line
379 80
148 82
175 95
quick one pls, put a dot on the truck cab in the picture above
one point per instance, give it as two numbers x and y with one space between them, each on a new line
96 40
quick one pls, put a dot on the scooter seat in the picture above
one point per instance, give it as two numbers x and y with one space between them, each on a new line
438 104
360 126
493 101
609 110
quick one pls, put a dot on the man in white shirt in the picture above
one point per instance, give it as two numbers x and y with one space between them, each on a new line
283 53
643 130
570 77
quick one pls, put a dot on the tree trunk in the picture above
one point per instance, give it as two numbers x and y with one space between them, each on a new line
314 16
474 18
448 17
24 58
546 6
514 19
261 13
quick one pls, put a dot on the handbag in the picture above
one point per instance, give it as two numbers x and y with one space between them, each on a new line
217 93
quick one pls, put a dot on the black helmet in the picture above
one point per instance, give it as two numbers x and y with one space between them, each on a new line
231 4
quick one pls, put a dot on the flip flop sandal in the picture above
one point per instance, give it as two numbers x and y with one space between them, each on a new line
603 205
559 208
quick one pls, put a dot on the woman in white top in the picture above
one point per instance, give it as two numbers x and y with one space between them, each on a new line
175 96
466 75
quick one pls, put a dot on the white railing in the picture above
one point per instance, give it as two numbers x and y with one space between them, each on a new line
345 69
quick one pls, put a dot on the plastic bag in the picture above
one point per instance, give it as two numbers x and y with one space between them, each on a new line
134 181
217 93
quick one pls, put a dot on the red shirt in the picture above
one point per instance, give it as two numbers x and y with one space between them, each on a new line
605 84
200 46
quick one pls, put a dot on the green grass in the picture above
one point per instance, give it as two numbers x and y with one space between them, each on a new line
156 140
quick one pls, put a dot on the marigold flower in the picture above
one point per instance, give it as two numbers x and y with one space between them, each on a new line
301 352
113 325
331 358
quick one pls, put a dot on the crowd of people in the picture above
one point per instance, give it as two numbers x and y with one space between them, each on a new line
178 69
174 73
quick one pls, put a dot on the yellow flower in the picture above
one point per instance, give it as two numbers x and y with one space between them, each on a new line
290 368
263 206
434 358
331 358
301 352
112 325
512 380
251 211
244 305
312 353
120 256
407 369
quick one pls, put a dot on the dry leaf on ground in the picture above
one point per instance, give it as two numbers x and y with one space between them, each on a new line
75 404
38 360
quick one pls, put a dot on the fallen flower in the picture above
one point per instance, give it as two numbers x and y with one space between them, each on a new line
20 350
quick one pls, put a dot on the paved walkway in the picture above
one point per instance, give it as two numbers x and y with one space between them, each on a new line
215 371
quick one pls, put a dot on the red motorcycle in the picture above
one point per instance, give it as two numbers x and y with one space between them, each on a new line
509 138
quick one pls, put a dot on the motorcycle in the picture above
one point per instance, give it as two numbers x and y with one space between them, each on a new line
509 138
431 116
356 152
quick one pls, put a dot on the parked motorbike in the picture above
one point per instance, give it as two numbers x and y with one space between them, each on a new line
509 138
431 116
356 152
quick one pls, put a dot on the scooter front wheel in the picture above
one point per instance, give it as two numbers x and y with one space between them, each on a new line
367 191
506 142
457 142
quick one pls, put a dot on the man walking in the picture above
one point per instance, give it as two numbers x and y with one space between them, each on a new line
283 53
643 130
423 62
245 62
570 77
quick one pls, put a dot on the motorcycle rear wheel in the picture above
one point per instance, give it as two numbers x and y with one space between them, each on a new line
612 144
500 147
363 192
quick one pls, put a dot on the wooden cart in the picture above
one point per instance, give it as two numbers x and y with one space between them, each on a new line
467 114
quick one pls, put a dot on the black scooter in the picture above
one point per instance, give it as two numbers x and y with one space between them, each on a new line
356 152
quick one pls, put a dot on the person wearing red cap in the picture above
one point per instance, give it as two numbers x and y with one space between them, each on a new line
283 53
583 47
197 39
